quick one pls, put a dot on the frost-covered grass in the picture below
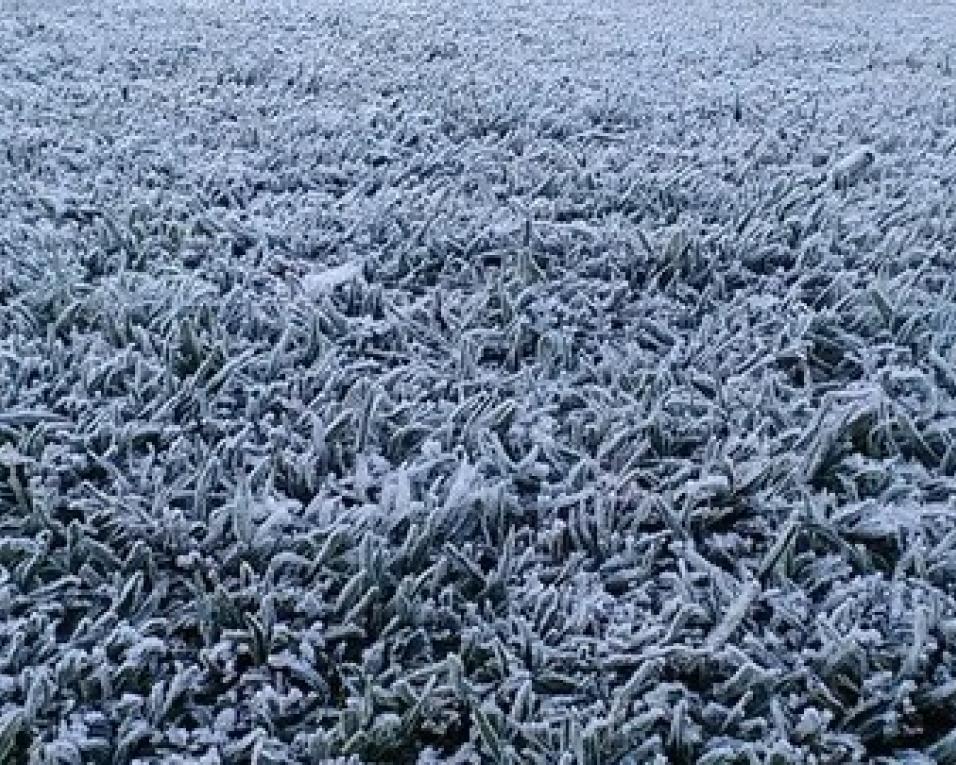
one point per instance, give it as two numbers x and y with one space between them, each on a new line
529 382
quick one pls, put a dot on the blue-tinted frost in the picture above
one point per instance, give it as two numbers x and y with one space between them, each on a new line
502 382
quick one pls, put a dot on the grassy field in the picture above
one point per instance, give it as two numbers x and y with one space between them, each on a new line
529 382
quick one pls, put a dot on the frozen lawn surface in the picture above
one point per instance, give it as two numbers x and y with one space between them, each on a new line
528 382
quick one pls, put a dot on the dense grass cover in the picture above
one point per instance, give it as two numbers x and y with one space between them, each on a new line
529 382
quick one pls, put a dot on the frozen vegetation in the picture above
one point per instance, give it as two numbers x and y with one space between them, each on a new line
477 382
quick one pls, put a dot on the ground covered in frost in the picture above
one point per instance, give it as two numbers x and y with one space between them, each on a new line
515 382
